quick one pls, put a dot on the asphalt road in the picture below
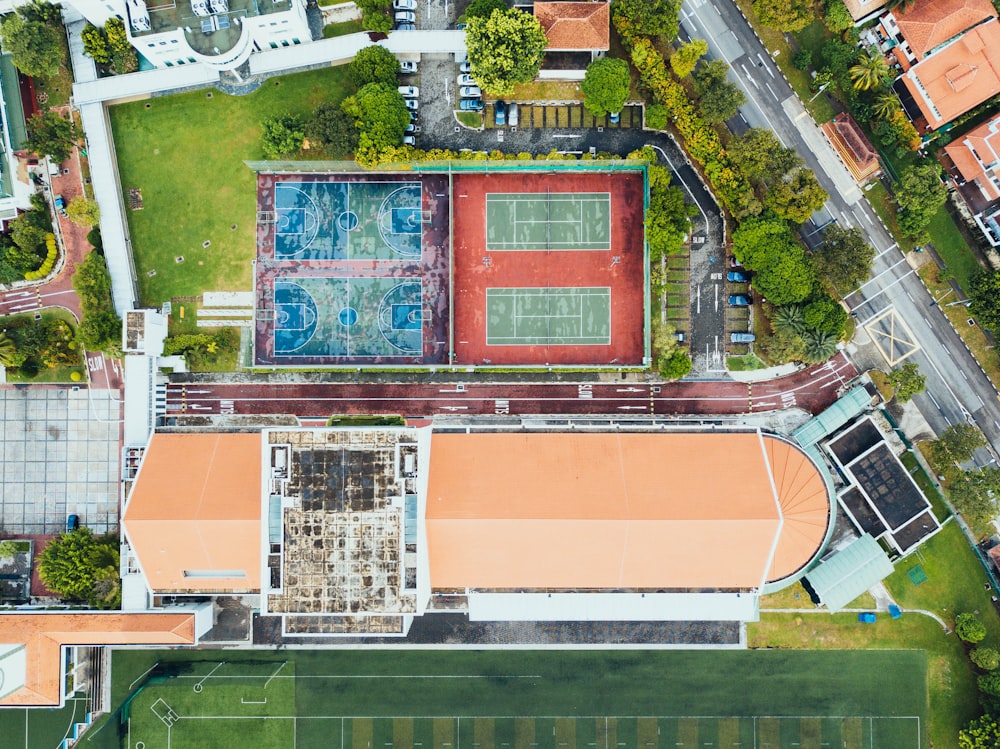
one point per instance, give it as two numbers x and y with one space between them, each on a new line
812 389
957 388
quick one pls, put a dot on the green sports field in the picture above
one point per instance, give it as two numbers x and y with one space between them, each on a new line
520 699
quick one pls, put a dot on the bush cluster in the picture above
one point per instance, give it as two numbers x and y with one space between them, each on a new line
51 255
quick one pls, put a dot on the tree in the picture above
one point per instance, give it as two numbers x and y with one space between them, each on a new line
907 381
683 61
845 258
761 156
920 193
870 72
8 352
374 64
824 313
505 49
664 339
718 99
95 44
783 347
984 295
886 105
380 115
331 129
100 327
83 212
987 659
606 86
837 17
8 549
650 17
789 320
956 444
374 15
982 733
974 494
768 247
667 218
969 628
796 197
123 55
819 346
73 563
51 134
484 8
675 366
34 46
282 135
784 15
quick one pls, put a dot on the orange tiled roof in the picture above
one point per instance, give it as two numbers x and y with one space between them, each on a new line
43 634
854 148
195 511
575 26
985 140
859 9
608 511
959 77
926 25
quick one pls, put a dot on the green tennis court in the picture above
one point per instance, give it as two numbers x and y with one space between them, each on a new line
548 316
548 221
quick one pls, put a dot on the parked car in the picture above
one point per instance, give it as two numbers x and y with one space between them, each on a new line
414 116
465 67
409 140
500 113
405 27
411 92
72 523
404 5
470 92
680 337
405 16
60 205
460 26
412 105
411 129
742 337
466 80
738 276
512 114
471 105
407 67
614 118
739 300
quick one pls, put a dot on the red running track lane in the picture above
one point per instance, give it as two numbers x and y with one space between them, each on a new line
811 389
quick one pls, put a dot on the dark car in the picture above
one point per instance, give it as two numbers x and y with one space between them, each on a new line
471 105
72 523
500 113
738 276
739 300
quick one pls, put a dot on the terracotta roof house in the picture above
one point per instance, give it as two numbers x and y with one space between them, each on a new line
34 647
193 517
955 79
926 27
575 27
973 162
861 10
853 147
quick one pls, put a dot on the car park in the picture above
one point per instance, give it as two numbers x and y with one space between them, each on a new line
409 140
404 5
466 80
473 92
405 16
738 276
742 337
405 27
465 67
739 300
412 104
471 105
407 67
500 113
411 92
512 114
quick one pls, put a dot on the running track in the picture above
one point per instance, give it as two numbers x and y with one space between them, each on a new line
811 389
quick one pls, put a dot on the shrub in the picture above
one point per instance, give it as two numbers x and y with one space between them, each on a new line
969 628
988 659
656 117
802 60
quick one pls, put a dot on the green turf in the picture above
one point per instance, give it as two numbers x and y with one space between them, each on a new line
559 221
195 186
340 29
561 316
45 728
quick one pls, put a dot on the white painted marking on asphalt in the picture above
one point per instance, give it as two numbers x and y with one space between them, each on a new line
768 87
697 308
765 66
749 77
716 297
934 400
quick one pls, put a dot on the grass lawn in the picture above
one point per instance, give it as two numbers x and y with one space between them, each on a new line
226 359
952 246
470 119
941 511
195 186
55 91
585 698
38 727
340 29
744 363
547 91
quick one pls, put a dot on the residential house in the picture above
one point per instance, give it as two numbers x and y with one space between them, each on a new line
973 163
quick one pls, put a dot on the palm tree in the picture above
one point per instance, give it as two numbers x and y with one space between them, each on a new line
885 106
7 350
789 320
871 71
820 346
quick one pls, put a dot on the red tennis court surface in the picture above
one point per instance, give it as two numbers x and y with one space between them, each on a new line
620 269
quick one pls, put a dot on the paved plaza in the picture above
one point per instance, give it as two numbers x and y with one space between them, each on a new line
60 456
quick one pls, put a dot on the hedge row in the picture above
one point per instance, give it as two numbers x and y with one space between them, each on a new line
700 138
409 154
51 255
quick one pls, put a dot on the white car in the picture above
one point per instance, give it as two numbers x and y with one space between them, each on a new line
466 80
470 91
409 140
412 104
405 16
465 67
411 92
404 5
407 67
